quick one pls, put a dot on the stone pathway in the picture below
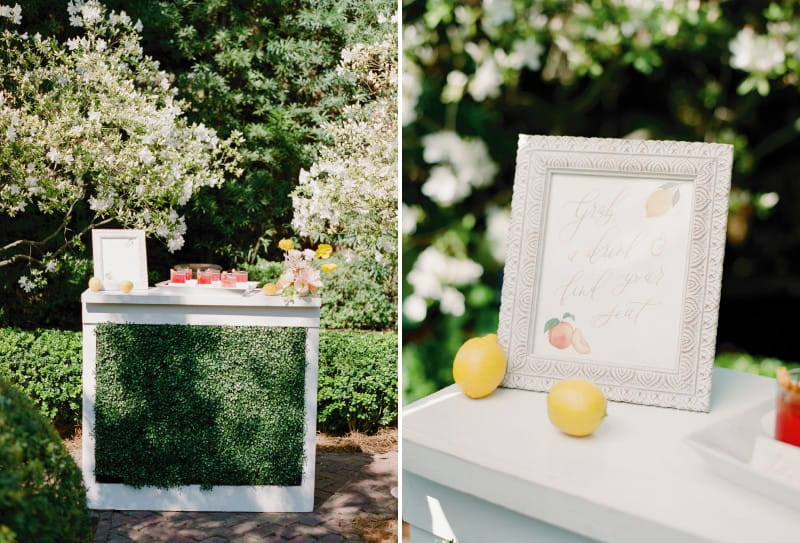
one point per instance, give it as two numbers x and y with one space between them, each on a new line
352 503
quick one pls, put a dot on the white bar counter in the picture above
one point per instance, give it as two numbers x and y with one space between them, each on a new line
496 469
198 308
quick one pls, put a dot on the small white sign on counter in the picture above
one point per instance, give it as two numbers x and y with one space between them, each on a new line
777 460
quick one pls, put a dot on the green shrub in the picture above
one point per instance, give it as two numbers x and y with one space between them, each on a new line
263 271
357 381
42 497
208 405
354 298
46 364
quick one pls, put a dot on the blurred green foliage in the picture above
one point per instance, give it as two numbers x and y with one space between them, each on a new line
475 75
756 365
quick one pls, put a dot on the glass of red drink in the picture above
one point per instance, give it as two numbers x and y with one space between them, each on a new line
228 279
241 276
177 275
787 412
204 277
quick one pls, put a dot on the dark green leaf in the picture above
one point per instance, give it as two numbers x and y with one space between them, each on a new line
549 324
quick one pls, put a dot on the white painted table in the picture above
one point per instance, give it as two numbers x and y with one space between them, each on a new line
213 308
495 469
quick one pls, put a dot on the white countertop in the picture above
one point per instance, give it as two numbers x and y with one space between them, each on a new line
197 296
635 479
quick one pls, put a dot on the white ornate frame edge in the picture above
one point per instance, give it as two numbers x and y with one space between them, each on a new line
709 166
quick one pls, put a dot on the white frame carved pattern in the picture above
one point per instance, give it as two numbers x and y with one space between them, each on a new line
708 167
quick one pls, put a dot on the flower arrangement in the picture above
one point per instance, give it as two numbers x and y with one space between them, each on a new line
300 277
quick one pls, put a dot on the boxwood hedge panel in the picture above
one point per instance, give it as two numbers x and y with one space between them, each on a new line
208 405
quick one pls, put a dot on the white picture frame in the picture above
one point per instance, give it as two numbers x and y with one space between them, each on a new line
120 255
623 240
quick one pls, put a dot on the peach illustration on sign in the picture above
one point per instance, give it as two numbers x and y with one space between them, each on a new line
562 334
662 200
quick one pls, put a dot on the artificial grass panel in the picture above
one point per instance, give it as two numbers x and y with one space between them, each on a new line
209 405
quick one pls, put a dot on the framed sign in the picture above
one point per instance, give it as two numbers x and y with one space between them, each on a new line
120 255
614 267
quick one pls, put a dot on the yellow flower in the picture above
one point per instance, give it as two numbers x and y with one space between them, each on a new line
285 245
324 250
328 268
270 289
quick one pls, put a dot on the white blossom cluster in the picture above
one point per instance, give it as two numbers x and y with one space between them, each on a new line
434 276
12 13
767 56
349 195
459 166
95 120
500 38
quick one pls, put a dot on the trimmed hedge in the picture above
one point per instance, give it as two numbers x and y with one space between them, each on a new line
42 497
207 405
357 381
46 364
344 356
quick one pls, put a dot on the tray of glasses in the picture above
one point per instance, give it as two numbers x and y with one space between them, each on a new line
215 287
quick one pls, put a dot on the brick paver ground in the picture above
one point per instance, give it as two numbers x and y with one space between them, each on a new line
352 489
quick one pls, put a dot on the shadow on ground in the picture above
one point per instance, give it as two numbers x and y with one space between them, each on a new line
352 503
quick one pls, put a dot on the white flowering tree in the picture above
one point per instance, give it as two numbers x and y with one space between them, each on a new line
349 195
91 133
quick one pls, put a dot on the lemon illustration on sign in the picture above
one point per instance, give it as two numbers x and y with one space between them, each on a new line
479 366
576 407
662 200
126 286
95 285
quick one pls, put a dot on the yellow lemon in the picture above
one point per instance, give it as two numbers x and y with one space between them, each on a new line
126 286
95 285
270 289
576 407
479 366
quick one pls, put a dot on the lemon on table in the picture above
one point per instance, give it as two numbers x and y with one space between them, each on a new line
95 285
126 286
479 366
270 289
576 407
